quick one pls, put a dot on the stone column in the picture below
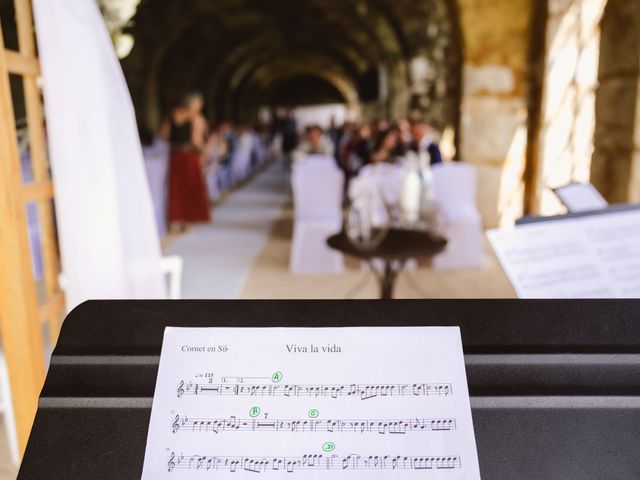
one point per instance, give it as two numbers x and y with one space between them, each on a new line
614 169
568 110
634 177
494 103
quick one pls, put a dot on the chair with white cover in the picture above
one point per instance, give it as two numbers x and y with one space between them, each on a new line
212 178
172 266
455 187
241 157
317 194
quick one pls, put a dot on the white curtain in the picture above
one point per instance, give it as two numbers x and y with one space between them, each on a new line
109 244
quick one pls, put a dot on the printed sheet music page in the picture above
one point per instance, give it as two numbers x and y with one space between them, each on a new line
313 403
596 256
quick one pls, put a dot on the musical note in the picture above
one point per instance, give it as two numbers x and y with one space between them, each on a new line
364 392
316 462
380 426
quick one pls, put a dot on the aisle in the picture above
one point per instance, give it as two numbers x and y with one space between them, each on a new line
218 256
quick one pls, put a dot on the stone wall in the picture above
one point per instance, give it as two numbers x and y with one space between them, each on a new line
616 142
434 66
634 177
494 102
568 110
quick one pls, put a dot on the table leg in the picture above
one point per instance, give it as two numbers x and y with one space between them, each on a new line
387 281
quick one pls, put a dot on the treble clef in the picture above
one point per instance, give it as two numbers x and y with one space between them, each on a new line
171 464
181 389
176 425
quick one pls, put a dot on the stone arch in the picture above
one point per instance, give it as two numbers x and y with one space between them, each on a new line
261 82
240 77
360 36
244 58
615 166
356 35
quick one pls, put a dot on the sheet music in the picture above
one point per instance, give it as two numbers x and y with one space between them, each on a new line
585 257
321 403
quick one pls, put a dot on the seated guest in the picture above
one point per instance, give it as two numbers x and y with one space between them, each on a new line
241 155
335 132
289 131
386 146
347 136
423 140
382 174
363 148
215 169
315 143
406 138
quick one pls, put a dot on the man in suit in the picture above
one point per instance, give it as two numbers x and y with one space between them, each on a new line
423 140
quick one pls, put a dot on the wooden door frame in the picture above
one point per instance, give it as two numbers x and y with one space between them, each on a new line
21 314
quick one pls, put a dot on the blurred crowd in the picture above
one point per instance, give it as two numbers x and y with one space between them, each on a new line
191 163
355 146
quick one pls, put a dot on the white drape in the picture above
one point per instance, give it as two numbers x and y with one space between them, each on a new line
109 244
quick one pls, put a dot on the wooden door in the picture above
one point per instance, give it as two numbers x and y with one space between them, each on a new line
31 303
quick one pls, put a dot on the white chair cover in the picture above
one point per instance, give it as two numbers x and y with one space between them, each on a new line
317 159
455 194
213 180
156 162
317 193
241 157
259 148
455 189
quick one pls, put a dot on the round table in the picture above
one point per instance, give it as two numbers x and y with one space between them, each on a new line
396 248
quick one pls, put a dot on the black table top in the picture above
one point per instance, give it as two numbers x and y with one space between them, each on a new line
397 245
555 385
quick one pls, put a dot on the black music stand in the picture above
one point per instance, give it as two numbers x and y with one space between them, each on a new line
554 385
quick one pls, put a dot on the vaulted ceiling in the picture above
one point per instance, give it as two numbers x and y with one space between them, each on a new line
241 53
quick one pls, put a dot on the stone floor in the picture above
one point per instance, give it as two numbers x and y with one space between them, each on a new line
218 256
270 277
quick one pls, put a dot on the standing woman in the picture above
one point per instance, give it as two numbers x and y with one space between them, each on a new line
188 200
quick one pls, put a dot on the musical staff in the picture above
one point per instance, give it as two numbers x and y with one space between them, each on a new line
364 392
311 462
338 403
382 426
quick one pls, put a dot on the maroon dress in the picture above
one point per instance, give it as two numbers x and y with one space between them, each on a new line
188 199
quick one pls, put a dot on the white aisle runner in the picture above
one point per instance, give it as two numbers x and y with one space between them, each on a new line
218 256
